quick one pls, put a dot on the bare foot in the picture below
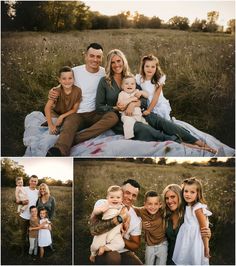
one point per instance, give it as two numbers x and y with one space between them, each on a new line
101 250
92 258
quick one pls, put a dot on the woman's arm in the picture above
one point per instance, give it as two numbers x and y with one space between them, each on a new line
202 220
154 100
101 102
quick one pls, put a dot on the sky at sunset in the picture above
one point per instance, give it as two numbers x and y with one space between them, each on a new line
166 9
57 168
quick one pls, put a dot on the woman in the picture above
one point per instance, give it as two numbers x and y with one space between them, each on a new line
46 201
108 90
174 214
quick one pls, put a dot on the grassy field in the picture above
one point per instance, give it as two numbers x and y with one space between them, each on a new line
200 72
62 229
92 178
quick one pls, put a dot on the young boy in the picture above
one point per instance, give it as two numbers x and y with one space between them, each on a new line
130 94
20 195
67 102
109 208
154 229
33 231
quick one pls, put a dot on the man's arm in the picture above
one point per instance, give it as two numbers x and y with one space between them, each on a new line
133 243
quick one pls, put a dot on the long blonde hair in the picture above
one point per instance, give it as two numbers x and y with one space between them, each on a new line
46 189
180 209
109 72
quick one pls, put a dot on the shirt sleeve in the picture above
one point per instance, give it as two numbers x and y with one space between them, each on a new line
101 103
162 80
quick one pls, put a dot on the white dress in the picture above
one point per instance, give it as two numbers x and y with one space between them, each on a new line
162 106
189 248
44 236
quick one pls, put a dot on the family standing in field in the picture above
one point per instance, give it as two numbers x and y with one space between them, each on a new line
36 209
175 226
91 100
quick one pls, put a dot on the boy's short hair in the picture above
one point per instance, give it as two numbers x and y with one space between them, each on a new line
19 178
132 182
114 189
64 69
95 45
32 207
151 193
33 176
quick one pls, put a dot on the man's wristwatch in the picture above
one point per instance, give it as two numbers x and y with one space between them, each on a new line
119 219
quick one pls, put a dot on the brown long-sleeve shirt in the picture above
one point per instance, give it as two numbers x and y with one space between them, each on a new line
155 234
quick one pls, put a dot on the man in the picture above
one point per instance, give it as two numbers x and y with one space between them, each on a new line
132 237
87 77
32 194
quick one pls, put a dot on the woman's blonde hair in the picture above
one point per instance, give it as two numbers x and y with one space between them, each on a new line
157 75
46 189
195 181
108 68
180 209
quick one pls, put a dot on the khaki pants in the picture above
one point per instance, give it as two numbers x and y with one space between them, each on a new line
93 124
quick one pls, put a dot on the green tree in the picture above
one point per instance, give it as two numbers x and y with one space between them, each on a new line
154 23
181 23
6 16
231 26
199 25
140 21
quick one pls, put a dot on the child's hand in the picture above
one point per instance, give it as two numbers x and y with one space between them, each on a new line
138 94
146 225
207 253
53 94
59 120
121 106
104 207
53 130
146 112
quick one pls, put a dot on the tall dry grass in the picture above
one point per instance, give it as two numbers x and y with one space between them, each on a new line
92 178
199 66
61 230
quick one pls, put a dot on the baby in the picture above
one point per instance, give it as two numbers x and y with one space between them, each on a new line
20 195
111 240
128 95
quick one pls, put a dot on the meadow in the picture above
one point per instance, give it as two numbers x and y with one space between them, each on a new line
61 230
93 177
200 71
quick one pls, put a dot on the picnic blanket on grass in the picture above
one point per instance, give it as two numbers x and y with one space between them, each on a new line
38 140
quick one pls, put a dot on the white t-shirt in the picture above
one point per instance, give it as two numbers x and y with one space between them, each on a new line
32 197
135 227
88 83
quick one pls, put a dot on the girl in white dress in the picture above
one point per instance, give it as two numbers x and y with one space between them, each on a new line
151 79
190 247
44 235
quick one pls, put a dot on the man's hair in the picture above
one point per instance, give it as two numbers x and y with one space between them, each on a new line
132 182
33 176
32 207
95 45
150 193
64 69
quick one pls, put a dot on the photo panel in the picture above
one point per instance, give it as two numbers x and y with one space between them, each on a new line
92 177
36 192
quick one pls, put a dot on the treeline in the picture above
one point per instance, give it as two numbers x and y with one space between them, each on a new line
56 16
11 169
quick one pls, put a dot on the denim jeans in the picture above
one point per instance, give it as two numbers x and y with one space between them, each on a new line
156 255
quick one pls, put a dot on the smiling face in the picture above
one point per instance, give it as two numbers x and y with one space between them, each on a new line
115 198
152 204
128 85
66 79
190 194
33 182
93 59
172 200
130 194
42 190
149 69
34 212
43 214
117 64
